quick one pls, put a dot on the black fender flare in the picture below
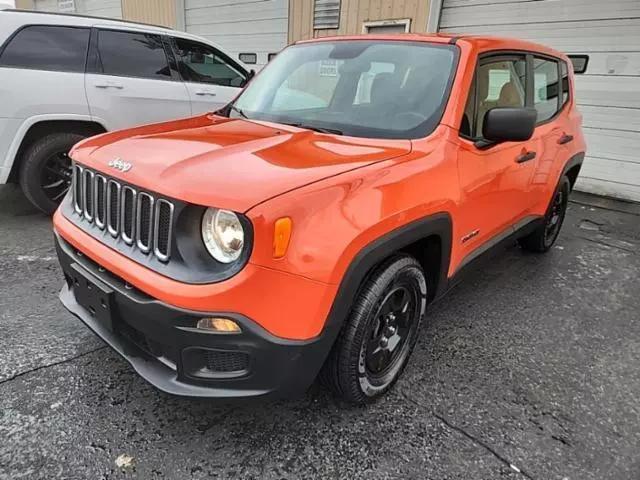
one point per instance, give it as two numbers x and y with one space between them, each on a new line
573 161
439 224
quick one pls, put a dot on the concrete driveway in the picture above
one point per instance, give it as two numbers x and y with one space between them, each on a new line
528 370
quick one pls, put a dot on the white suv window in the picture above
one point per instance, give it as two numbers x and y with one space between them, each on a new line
200 63
42 47
132 54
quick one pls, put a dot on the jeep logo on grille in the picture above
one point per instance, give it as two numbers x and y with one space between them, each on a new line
119 164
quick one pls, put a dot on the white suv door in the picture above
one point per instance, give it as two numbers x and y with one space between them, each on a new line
130 82
211 77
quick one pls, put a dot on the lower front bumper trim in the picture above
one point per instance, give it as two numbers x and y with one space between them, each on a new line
153 371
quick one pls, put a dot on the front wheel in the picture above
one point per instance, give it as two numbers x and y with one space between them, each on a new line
45 172
543 238
380 333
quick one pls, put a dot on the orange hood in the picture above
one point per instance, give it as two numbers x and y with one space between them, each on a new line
229 163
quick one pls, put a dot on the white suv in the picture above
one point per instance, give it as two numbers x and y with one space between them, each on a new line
67 77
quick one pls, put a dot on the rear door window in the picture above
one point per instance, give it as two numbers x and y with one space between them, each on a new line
545 88
52 48
132 54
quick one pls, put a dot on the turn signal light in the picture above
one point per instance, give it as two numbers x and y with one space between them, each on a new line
220 325
281 236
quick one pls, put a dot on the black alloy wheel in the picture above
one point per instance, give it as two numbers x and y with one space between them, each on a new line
55 176
555 217
390 329
543 237
45 169
378 337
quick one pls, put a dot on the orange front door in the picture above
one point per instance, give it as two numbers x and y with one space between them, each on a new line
495 180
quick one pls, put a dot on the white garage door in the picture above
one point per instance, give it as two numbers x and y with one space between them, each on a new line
241 26
608 94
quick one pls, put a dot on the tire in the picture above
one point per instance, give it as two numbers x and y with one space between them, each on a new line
353 370
45 171
543 238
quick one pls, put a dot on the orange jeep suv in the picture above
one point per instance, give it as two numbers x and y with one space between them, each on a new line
302 230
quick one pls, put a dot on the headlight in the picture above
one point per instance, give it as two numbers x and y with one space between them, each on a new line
222 234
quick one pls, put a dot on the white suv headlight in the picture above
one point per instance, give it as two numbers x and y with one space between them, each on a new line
222 234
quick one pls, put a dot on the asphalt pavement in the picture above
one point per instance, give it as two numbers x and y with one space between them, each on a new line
530 369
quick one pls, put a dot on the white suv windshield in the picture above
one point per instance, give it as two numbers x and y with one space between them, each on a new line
378 89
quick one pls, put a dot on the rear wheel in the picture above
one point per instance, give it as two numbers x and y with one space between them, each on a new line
45 172
543 238
380 333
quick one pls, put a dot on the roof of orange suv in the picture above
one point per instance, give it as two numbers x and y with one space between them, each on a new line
482 42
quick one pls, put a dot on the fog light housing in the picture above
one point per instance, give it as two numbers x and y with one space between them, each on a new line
219 325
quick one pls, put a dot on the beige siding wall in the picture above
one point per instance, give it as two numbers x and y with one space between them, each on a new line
353 13
24 4
158 12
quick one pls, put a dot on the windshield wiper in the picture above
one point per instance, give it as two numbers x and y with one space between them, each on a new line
239 111
316 129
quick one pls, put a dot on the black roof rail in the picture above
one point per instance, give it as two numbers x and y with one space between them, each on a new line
85 16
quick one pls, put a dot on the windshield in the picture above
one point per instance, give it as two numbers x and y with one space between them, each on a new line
363 88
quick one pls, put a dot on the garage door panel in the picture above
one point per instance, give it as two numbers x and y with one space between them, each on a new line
611 118
271 42
523 13
191 4
610 189
612 63
233 14
466 3
602 168
613 144
248 29
241 26
608 91
574 37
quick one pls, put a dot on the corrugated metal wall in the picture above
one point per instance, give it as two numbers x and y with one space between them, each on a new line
608 94
157 12
240 26
353 13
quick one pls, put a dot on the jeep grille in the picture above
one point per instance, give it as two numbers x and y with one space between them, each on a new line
138 218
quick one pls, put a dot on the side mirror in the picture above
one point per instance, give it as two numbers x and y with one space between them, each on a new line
252 73
507 124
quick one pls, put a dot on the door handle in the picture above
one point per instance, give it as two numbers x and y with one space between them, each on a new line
109 85
205 92
565 139
525 157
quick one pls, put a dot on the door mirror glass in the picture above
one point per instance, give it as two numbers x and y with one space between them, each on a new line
509 124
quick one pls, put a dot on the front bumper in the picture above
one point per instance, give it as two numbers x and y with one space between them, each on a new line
162 345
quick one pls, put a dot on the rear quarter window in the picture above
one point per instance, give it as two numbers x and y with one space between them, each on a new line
43 47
